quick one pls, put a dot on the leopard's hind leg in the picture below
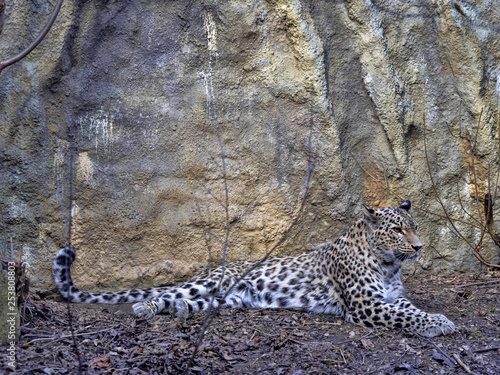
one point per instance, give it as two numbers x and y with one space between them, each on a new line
180 308
196 294
181 301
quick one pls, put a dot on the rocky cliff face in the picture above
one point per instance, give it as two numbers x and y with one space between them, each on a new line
146 94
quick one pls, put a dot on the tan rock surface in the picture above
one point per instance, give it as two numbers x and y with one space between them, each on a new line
147 82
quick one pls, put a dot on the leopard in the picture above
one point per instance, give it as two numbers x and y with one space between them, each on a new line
356 277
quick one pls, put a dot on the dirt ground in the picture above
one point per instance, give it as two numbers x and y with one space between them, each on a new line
111 341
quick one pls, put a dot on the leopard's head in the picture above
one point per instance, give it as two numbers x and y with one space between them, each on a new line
394 230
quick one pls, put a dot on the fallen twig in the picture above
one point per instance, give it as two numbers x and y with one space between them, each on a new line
66 336
480 283
464 366
342 354
436 347
295 341
385 367
486 349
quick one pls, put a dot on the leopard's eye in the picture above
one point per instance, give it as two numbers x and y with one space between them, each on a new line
397 230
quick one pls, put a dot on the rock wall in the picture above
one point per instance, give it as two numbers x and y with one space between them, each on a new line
141 97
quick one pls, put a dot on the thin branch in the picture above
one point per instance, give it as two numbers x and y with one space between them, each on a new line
225 205
235 180
477 131
436 347
2 8
483 229
397 195
290 231
448 127
37 40
213 196
72 150
436 193
285 199
464 209
486 349
93 229
480 257
440 256
66 336
226 195
252 207
61 204
491 226
478 283
216 238
475 248
99 172
498 171
461 363
287 235
460 118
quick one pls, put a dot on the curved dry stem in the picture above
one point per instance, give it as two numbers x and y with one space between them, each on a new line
479 256
474 173
475 247
436 193
21 55
392 191
465 210
69 162
290 232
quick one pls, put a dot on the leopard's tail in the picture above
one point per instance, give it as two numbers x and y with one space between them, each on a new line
61 269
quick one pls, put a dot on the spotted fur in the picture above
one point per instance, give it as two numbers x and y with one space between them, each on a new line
358 277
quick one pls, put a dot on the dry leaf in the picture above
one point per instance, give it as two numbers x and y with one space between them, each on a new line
100 362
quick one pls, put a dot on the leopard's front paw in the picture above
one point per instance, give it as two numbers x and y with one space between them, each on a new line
437 324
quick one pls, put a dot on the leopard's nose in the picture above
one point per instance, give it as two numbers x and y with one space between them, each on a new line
417 247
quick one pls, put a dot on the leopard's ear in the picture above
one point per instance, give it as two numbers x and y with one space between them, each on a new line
370 214
406 205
